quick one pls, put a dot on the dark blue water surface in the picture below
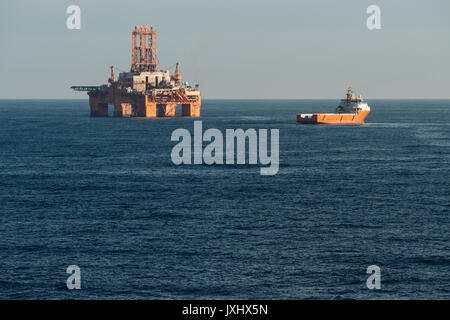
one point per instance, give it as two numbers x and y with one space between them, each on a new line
103 194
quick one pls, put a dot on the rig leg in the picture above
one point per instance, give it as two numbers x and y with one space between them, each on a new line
170 109
98 107
150 110
122 110
166 109
127 110
141 107
190 109
117 110
146 108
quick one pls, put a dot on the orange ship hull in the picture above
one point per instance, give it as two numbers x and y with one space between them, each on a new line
333 118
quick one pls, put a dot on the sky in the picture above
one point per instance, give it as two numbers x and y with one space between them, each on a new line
247 49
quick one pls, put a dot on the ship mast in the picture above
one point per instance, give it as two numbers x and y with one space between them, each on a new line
350 94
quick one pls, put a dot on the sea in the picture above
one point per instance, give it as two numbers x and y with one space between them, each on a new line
103 194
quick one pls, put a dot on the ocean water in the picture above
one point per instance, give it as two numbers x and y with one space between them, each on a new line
103 194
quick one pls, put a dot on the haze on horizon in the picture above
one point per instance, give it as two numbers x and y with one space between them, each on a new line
234 49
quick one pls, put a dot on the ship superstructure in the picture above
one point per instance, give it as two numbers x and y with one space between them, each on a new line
144 91
351 110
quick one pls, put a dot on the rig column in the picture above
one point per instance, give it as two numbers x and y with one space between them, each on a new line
167 109
191 109
99 108
150 108
122 109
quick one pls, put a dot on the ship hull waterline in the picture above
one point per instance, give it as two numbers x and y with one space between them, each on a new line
333 118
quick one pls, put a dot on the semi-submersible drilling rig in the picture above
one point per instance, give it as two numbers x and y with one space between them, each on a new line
145 91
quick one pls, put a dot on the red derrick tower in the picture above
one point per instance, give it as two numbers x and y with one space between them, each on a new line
143 57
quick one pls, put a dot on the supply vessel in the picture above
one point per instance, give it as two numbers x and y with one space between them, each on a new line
144 91
351 110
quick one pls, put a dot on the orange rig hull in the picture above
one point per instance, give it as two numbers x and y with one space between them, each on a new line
333 118
126 104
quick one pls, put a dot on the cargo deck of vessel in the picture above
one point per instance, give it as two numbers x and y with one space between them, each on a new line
351 110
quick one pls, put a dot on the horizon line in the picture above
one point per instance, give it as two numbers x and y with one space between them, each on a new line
440 98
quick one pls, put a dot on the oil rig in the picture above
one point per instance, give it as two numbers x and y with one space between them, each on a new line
145 91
